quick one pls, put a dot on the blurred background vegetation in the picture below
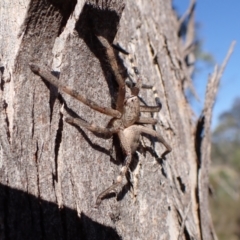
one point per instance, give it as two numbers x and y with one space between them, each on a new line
225 174
225 166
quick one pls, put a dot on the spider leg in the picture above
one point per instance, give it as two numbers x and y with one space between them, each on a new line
138 78
156 108
138 85
147 120
91 127
150 108
127 149
142 129
54 81
113 62
155 93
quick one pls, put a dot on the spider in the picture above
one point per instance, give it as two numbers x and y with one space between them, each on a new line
126 118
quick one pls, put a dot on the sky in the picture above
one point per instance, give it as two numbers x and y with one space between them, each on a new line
219 25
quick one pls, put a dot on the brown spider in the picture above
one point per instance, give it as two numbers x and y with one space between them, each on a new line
126 116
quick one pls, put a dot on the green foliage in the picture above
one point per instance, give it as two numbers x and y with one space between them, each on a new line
225 212
202 55
225 174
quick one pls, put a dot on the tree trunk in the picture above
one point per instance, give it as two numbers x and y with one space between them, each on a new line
52 172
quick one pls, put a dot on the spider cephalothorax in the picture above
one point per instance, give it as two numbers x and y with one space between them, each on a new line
127 119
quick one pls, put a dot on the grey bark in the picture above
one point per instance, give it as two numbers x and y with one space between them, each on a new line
51 172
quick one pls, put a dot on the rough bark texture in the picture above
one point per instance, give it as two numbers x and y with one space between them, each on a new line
51 172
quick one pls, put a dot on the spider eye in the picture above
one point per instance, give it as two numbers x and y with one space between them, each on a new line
135 70
130 100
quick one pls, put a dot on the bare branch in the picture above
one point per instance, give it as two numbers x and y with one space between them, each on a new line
187 13
205 148
215 80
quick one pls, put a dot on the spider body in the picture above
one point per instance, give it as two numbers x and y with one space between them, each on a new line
131 111
127 119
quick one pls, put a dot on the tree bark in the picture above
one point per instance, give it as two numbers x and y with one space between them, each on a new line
51 172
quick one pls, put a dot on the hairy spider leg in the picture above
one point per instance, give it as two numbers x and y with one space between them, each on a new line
54 81
139 85
93 128
127 150
141 129
138 80
113 63
149 109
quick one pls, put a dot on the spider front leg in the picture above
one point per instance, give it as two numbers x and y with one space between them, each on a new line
54 81
138 85
113 62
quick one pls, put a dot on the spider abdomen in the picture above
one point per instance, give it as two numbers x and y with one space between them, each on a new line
132 137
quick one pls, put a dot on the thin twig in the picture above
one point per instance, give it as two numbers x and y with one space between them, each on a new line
229 53
215 80
187 13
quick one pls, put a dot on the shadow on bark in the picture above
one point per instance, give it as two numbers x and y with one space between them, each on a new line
59 9
24 216
94 21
